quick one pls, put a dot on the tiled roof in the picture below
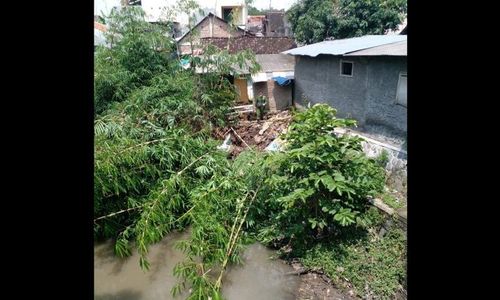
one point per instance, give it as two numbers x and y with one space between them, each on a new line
100 27
275 62
259 45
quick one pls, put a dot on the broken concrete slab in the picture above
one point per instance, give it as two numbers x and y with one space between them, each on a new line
400 214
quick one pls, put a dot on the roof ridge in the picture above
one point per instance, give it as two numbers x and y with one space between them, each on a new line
205 17
394 42
347 45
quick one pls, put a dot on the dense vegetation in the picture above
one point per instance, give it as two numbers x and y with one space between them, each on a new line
374 266
157 168
315 20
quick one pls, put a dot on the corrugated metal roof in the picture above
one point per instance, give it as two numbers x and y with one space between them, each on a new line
344 46
394 49
275 62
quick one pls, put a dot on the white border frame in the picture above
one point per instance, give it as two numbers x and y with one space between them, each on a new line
352 69
397 89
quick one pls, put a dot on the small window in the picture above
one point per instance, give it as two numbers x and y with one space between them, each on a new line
401 92
346 68
227 14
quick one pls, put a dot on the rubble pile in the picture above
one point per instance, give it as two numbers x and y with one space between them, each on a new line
256 133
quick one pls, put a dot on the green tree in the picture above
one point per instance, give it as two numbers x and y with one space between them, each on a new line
254 11
153 142
139 51
320 184
315 20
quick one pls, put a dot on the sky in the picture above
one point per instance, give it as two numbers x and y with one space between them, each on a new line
278 4
106 5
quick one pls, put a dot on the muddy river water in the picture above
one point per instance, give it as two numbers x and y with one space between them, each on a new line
260 277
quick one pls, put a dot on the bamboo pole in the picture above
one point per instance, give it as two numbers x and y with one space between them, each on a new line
239 137
232 242
119 212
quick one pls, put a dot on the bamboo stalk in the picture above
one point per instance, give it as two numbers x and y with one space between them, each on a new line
234 224
239 137
233 242
118 212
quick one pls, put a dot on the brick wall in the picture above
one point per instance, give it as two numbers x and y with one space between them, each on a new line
220 29
279 97
259 88
211 28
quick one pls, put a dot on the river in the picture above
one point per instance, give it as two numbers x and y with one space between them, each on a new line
260 276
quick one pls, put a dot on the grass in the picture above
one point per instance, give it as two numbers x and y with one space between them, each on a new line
373 265
391 201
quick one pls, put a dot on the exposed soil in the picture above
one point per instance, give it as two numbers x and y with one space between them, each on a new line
317 286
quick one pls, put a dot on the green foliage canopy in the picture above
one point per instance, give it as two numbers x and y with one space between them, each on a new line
315 20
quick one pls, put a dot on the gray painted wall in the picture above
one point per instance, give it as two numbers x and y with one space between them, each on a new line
282 96
369 96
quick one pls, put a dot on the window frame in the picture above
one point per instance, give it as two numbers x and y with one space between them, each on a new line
352 68
397 101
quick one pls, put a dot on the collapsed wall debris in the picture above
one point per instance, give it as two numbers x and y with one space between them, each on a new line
259 134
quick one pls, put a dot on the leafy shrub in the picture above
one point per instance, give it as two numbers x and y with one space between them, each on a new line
383 158
138 52
320 184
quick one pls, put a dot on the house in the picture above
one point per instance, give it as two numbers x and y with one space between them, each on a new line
234 11
272 24
216 31
277 25
258 45
274 81
255 24
364 78
211 26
